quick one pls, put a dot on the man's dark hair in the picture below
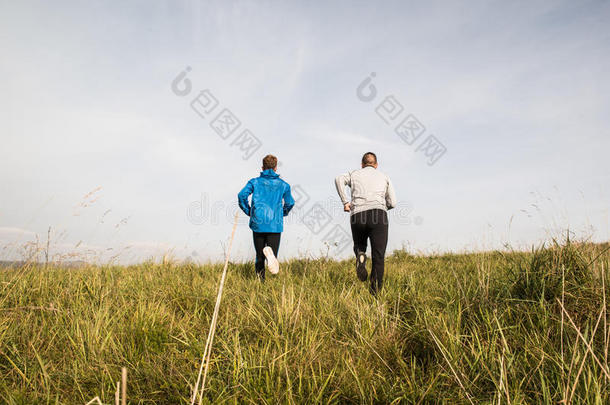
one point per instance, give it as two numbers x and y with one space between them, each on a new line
369 159
269 162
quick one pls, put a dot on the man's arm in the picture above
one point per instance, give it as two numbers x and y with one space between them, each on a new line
340 182
288 200
390 196
242 198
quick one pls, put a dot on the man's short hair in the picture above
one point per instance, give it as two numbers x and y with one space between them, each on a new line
269 162
369 159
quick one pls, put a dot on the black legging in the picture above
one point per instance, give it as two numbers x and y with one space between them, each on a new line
373 225
262 239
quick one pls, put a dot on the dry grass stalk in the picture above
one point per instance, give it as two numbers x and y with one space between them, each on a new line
208 346
589 348
124 386
440 347
584 359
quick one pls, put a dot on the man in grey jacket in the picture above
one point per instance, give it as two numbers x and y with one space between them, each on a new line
372 194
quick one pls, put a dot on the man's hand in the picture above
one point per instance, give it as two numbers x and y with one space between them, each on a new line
347 207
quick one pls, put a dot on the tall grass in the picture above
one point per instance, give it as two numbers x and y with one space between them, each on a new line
456 328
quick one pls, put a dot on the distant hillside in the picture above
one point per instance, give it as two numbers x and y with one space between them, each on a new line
67 264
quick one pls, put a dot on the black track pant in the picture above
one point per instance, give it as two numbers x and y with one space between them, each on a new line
262 239
373 225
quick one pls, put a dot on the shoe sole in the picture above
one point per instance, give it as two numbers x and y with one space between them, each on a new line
272 262
361 267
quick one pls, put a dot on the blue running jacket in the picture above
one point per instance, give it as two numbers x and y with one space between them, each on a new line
266 210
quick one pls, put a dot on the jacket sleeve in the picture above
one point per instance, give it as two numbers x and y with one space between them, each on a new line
390 196
340 182
288 200
242 197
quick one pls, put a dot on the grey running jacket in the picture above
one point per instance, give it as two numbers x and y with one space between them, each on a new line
370 189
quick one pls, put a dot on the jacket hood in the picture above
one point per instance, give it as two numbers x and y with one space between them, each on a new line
269 173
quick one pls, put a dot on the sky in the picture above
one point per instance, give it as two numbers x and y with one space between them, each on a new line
109 108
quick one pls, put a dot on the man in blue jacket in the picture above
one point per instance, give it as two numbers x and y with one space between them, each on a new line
271 202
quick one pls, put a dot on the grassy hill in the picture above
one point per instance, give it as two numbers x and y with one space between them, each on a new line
456 328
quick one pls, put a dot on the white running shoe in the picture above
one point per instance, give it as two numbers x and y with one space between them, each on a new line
272 262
